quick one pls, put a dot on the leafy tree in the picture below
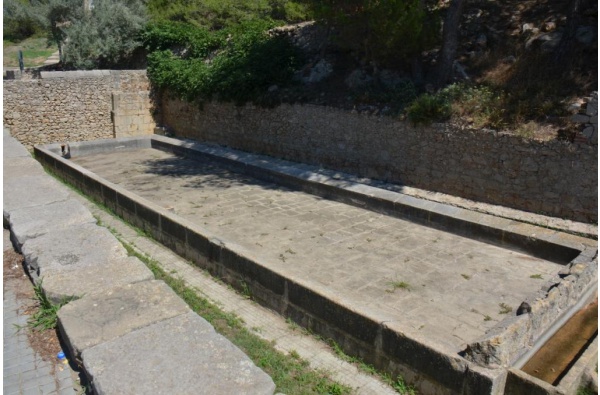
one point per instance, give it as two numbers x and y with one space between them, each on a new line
449 42
21 19
105 36
59 16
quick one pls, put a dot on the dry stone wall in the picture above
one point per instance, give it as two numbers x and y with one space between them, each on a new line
555 178
65 106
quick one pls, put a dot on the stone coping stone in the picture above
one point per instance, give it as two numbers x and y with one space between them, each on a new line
19 167
31 191
13 149
45 75
89 280
101 145
180 355
29 223
71 249
114 312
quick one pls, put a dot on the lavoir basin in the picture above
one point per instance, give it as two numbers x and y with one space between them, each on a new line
433 292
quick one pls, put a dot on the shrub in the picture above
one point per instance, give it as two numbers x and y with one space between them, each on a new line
106 36
21 20
483 106
219 14
429 108
236 64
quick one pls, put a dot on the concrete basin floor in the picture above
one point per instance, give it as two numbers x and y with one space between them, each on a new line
439 286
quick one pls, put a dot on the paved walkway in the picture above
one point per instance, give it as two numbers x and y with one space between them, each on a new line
434 285
25 372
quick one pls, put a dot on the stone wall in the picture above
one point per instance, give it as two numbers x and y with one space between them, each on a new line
67 106
132 114
555 178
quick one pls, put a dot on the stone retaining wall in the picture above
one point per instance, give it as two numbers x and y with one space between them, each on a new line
554 178
65 106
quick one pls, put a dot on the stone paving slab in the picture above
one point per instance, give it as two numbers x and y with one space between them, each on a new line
31 191
21 167
13 149
446 288
115 312
32 222
71 249
183 354
89 280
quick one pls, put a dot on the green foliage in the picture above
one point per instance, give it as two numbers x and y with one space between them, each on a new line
59 14
482 105
218 14
236 64
21 20
429 108
382 31
46 317
105 36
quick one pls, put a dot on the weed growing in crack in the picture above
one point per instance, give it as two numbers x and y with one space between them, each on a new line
47 315
398 285
504 308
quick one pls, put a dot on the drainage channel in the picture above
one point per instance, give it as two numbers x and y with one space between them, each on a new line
554 359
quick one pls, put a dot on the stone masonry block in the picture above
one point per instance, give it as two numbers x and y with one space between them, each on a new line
72 249
112 313
20 167
31 191
89 280
13 149
181 355
32 222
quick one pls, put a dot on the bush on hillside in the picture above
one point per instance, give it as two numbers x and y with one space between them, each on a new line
236 64
219 14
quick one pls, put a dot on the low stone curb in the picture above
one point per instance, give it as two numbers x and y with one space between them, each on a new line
125 325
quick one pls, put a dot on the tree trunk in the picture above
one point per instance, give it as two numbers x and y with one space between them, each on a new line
561 55
449 43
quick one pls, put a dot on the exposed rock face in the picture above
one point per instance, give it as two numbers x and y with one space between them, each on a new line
588 118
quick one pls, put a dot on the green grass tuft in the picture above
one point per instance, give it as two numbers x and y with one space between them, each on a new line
47 315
